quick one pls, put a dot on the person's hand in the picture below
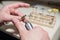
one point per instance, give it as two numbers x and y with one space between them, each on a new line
36 33
9 12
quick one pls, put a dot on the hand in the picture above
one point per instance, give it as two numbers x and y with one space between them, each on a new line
36 33
9 12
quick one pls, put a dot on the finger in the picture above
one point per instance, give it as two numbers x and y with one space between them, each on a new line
19 26
19 4
16 12
19 13
17 17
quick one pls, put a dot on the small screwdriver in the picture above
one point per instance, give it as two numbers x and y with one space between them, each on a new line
28 25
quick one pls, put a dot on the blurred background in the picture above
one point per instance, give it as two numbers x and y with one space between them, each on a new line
49 3
52 3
